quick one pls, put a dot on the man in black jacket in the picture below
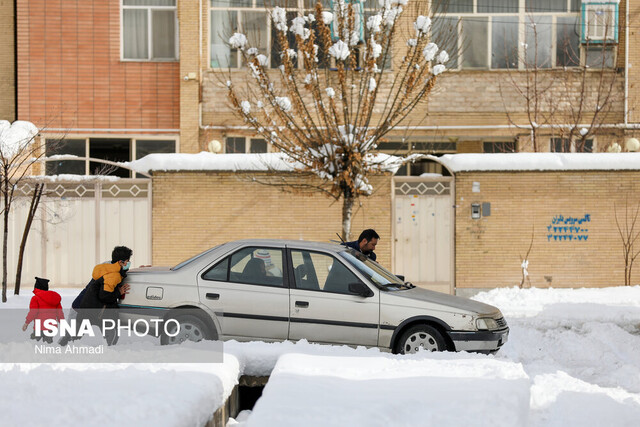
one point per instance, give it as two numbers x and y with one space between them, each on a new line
366 243
99 299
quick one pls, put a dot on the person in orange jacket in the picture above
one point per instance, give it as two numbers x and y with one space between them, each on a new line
45 304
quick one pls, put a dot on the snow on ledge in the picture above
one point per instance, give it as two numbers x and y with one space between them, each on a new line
205 161
539 161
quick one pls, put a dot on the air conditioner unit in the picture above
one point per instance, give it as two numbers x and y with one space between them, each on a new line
599 21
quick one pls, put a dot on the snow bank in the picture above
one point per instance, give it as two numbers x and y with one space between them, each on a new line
540 161
380 391
114 395
205 161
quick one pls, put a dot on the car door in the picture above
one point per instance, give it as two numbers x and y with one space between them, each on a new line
249 292
321 307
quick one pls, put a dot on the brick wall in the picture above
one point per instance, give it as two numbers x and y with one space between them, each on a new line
488 250
71 76
7 72
193 211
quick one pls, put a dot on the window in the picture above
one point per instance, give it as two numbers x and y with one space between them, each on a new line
149 30
251 18
321 272
111 149
245 145
499 147
502 34
564 145
254 266
75 147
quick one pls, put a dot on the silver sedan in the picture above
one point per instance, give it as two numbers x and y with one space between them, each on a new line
275 290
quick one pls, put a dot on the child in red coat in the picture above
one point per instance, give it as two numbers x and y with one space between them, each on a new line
45 304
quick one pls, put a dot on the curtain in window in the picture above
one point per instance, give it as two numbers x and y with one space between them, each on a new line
453 6
538 39
222 56
234 3
498 6
163 34
568 41
148 2
254 25
134 34
445 35
474 41
536 6
504 42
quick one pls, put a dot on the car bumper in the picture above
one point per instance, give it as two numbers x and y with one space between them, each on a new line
483 341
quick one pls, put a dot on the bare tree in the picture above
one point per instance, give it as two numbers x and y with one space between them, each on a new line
589 93
629 234
33 208
533 84
334 96
572 102
19 150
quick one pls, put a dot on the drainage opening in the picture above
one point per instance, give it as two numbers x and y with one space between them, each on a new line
249 391
248 396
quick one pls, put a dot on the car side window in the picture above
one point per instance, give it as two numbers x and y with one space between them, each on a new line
321 272
219 272
256 266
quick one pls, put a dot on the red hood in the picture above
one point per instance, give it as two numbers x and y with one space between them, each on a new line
50 298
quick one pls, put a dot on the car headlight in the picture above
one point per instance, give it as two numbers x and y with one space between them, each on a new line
486 323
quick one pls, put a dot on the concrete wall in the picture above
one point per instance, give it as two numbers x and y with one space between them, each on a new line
193 211
489 250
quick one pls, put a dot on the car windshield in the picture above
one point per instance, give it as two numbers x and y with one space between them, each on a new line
373 271
190 260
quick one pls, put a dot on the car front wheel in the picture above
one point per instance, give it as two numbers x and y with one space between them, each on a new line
191 328
419 337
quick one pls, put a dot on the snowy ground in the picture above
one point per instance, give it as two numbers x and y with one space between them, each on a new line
573 359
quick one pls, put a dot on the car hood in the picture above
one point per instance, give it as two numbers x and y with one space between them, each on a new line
417 297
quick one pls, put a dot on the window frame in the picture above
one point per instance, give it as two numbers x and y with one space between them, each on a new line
523 19
133 140
299 10
150 10
335 257
227 259
248 144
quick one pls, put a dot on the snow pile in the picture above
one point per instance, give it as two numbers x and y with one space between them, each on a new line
114 394
382 391
15 137
572 359
540 161
205 161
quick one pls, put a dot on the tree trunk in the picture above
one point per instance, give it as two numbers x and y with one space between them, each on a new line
5 236
35 201
347 210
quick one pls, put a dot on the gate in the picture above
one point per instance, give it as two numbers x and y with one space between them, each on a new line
423 231
77 225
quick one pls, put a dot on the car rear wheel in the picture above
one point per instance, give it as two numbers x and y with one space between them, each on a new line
191 328
419 337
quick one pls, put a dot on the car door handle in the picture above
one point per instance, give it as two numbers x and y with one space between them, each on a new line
213 296
303 304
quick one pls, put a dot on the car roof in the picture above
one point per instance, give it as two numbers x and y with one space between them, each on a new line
292 243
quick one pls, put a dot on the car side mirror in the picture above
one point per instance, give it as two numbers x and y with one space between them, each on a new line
361 289
400 276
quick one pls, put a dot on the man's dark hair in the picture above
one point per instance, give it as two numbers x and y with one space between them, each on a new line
368 234
120 253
